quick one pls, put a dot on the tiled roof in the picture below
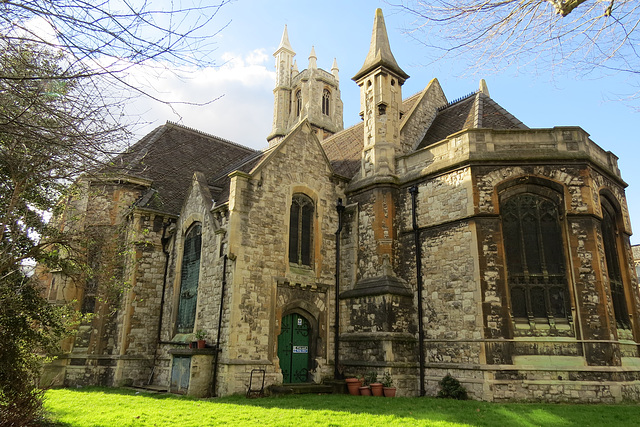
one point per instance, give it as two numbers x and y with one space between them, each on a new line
475 111
220 183
169 155
344 150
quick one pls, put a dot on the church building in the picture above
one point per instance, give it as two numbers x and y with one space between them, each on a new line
434 237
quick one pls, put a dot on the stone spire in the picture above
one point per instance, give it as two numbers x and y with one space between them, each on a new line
284 60
284 42
313 59
334 69
380 81
295 70
380 51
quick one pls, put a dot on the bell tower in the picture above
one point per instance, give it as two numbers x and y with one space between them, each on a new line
312 94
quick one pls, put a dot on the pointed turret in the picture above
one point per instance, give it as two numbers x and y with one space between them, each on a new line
380 80
380 52
313 64
284 43
284 58
295 70
335 69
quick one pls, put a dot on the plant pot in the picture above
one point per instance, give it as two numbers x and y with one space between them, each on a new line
389 392
353 384
376 389
365 391
193 344
202 343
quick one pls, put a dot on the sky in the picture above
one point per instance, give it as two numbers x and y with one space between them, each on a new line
241 86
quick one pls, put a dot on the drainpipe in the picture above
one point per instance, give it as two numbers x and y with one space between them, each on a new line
336 347
416 233
224 283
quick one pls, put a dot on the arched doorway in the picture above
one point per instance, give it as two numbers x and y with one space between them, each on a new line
293 348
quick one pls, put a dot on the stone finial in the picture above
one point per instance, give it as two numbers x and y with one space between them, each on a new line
294 69
313 59
484 88
334 69
380 51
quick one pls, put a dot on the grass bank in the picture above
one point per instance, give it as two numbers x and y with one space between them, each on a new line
122 407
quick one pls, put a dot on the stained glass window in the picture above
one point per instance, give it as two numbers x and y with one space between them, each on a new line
609 233
535 257
301 230
189 279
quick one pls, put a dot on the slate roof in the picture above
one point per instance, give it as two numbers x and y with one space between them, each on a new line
474 111
344 149
169 155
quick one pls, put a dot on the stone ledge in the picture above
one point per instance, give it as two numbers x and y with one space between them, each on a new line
383 285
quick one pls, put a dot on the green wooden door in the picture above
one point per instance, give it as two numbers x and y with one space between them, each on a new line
293 349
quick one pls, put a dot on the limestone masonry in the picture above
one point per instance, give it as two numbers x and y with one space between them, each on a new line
432 238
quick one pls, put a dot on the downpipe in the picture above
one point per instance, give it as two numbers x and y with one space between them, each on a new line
416 233
336 347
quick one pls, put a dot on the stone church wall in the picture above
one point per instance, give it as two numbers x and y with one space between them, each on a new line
265 286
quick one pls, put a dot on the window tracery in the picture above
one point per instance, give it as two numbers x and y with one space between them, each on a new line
535 258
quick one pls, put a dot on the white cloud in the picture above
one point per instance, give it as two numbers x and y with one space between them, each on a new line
238 95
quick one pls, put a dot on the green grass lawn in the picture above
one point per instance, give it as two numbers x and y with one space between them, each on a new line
123 407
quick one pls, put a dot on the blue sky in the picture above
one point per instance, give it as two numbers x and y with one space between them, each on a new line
342 30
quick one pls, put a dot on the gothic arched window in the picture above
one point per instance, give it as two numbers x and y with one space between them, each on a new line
298 103
535 257
326 97
189 279
609 239
301 230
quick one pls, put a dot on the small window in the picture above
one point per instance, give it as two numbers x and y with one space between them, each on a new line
535 258
326 98
614 272
301 230
189 279
298 103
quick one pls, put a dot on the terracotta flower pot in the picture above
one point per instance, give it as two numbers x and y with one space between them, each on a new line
353 384
365 391
202 343
390 392
376 389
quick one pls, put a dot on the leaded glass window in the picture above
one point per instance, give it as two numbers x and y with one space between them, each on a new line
535 257
189 279
301 230
326 97
609 238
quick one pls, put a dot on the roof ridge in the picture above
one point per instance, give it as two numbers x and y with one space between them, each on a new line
457 100
209 135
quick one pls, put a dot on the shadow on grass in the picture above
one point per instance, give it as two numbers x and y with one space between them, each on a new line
425 410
